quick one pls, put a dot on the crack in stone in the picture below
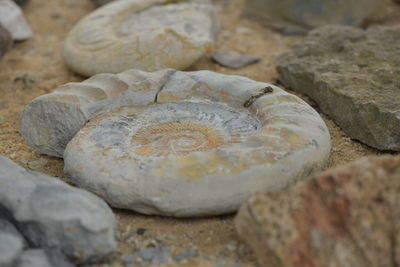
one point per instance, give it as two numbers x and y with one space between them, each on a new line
164 82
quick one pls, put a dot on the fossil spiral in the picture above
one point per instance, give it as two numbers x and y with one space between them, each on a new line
144 34
177 143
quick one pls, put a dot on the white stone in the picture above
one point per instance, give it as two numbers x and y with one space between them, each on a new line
12 19
195 149
143 34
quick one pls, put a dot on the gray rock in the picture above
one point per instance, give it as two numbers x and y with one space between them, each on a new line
42 258
186 255
21 2
233 60
128 259
294 16
7 227
98 3
156 255
354 76
10 247
6 41
51 214
12 19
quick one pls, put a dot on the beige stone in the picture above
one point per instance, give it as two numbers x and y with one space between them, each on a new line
346 216
144 34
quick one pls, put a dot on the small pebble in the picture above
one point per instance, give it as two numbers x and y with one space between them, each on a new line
141 231
157 255
233 60
128 259
185 255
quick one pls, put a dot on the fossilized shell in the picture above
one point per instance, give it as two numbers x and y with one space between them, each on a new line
144 34
178 143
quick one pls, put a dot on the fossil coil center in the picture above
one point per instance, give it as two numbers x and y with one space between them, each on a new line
176 138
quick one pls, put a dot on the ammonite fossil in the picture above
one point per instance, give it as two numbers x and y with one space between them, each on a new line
145 34
177 143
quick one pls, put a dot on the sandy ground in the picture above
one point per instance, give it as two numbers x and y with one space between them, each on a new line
35 67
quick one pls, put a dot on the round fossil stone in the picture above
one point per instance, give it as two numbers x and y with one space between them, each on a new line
144 34
204 144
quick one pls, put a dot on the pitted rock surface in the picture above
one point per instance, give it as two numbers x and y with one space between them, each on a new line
51 214
354 76
346 216
144 34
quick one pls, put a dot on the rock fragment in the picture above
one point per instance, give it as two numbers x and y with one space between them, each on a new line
297 17
155 255
145 34
51 214
11 246
186 255
42 258
21 2
354 76
6 41
233 60
98 3
12 19
346 216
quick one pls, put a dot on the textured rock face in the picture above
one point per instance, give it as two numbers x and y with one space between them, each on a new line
12 19
178 143
346 216
145 34
354 76
52 214
5 41
293 16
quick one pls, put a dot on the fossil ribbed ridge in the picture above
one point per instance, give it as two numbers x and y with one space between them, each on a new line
144 34
50 121
187 147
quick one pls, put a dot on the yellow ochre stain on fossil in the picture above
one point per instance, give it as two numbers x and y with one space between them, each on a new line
294 140
175 138
191 167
